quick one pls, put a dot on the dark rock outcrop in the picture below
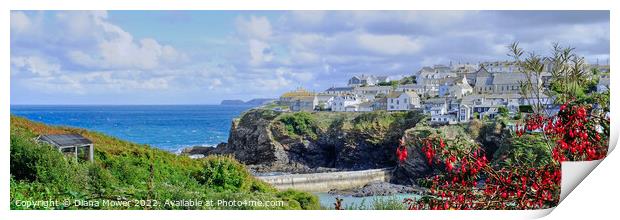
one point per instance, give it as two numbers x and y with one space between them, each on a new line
261 142
378 189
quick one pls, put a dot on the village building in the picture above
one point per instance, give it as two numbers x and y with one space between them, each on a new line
324 101
461 69
366 106
286 98
380 104
489 104
303 104
436 106
417 88
402 101
299 100
335 91
500 66
370 92
367 80
500 83
341 102
71 145
464 114
444 119
432 76
455 88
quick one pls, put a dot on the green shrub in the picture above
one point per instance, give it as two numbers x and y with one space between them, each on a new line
305 200
125 170
300 123
383 128
101 180
223 173
24 155
530 151
31 161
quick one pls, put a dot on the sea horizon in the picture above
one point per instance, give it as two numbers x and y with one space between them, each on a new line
167 127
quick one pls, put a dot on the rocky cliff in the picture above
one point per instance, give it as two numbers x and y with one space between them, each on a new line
270 141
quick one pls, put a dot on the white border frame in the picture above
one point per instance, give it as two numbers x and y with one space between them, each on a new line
605 175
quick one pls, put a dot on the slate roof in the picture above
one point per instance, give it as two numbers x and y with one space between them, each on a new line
65 140
508 78
483 81
482 72
366 104
339 89
373 88
382 78
394 95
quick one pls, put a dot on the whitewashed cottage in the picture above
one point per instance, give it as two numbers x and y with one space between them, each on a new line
341 102
402 101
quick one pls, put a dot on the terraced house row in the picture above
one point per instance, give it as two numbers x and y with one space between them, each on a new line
448 93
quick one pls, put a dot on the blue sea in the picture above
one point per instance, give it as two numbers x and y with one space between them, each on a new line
169 127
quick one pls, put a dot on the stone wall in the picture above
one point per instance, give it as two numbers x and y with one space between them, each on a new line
323 182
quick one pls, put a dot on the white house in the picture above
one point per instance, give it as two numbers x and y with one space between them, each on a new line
303 103
367 80
501 66
444 119
433 75
401 101
365 107
341 102
418 88
436 106
370 92
338 90
379 104
325 100
464 113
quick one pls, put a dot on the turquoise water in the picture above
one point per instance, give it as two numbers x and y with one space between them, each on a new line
169 127
370 202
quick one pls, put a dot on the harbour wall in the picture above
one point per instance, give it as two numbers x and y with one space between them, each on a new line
323 182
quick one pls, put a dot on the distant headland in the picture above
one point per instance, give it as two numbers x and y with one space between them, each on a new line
255 102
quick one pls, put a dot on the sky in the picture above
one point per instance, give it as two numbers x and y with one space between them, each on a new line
203 57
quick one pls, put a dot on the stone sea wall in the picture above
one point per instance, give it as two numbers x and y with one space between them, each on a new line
324 182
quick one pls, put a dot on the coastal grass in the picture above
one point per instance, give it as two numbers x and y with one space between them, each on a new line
377 127
379 203
147 177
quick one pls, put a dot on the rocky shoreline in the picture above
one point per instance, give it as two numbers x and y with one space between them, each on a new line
378 189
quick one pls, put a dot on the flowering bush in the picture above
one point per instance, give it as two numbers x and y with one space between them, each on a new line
469 181
578 132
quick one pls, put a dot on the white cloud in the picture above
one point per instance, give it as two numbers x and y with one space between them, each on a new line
19 21
88 39
389 44
257 31
308 17
260 52
36 65
436 18
107 82
215 83
264 56
254 27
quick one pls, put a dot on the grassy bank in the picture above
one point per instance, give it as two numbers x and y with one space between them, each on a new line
374 127
125 171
